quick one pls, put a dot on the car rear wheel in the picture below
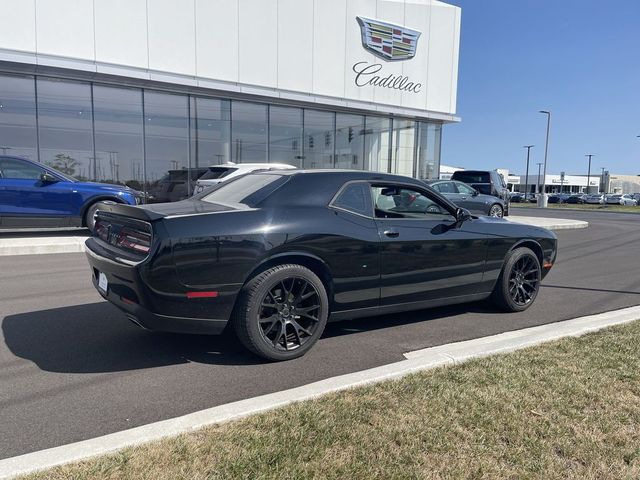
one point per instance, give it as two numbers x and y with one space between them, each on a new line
496 211
281 312
89 220
519 281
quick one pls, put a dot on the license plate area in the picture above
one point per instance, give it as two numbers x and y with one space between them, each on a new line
103 283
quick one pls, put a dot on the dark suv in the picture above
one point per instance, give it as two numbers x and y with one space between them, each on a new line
487 182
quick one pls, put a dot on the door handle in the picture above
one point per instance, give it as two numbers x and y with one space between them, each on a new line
391 233
463 198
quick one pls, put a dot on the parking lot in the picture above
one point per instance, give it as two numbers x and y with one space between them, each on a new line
72 367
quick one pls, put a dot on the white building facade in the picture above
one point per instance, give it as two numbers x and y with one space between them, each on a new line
132 91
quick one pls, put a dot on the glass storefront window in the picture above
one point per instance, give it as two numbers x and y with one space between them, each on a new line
118 127
403 147
166 146
66 128
210 132
349 141
319 129
285 135
377 140
18 134
429 150
249 132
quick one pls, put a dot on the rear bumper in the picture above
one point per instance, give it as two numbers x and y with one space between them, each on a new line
126 290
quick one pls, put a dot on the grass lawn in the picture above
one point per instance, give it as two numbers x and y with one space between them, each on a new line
583 206
568 409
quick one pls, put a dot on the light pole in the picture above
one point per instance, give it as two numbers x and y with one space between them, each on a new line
602 179
589 171
526 177
546 150
538 180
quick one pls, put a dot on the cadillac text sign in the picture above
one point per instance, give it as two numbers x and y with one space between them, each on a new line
390 42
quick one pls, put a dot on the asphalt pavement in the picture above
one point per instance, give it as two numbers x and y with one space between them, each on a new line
72 367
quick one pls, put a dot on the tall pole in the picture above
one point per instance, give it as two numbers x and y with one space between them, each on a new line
526 177
538 180
589 171
602 180
546 150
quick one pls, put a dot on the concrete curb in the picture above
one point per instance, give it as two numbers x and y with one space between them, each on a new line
415 361
549 223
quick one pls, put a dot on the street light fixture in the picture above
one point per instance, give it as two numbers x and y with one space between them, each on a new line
546 150
589 171
526 181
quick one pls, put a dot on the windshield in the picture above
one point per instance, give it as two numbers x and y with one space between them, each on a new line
217 172
247 190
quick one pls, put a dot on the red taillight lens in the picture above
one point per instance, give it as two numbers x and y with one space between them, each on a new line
134 240
101 230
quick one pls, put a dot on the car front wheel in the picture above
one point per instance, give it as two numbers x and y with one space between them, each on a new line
519 281
496 211
281 312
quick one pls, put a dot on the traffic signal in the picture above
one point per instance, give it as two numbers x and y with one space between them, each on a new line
350 136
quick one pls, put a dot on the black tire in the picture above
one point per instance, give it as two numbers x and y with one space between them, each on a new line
268 320
519 282
496 210
89 220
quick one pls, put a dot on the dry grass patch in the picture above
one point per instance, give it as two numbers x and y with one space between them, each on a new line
590 207
569 409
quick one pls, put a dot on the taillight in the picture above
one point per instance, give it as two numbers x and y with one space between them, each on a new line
101 230
134 240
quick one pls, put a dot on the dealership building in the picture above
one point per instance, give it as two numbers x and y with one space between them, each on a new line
139 92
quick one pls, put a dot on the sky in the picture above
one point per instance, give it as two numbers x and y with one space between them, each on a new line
579 59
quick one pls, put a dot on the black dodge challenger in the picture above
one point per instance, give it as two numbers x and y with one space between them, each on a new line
278 254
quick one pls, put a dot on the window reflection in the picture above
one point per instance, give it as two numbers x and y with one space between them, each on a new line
377 138
211 132
65 127
403 147
18 135
349 141
119 155
319 128
249 131
166 146
429 150
285 135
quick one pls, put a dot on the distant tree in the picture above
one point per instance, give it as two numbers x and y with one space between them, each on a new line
64 163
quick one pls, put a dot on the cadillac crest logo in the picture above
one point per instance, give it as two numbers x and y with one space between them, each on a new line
388 41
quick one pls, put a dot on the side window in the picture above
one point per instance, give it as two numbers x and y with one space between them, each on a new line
447 187
464 189
16 169
394 201
354 197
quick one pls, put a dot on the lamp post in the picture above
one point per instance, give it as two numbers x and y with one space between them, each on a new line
546 150
538 180
589 171
526 177
602 180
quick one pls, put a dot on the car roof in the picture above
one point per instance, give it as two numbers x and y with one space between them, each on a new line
253 165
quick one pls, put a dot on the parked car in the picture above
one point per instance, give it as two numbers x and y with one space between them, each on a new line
636 197
487 182
596 198
576 198
222 173
174 185
278 254
33 195
618 199
466 197
559 198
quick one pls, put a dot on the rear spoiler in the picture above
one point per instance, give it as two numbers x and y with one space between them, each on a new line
129 211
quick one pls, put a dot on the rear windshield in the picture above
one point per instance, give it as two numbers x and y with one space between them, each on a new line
247 190
472 177
217 172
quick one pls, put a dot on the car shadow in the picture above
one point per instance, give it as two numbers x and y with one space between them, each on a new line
97 337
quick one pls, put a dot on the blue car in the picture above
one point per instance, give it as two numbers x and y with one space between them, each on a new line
37 196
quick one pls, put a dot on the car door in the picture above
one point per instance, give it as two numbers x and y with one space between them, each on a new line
471 199
25 200
425 256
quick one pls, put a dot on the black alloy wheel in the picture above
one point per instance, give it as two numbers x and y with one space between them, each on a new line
282 312
519 281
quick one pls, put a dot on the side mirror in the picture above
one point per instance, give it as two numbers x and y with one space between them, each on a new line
47 178
462 215
475 193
